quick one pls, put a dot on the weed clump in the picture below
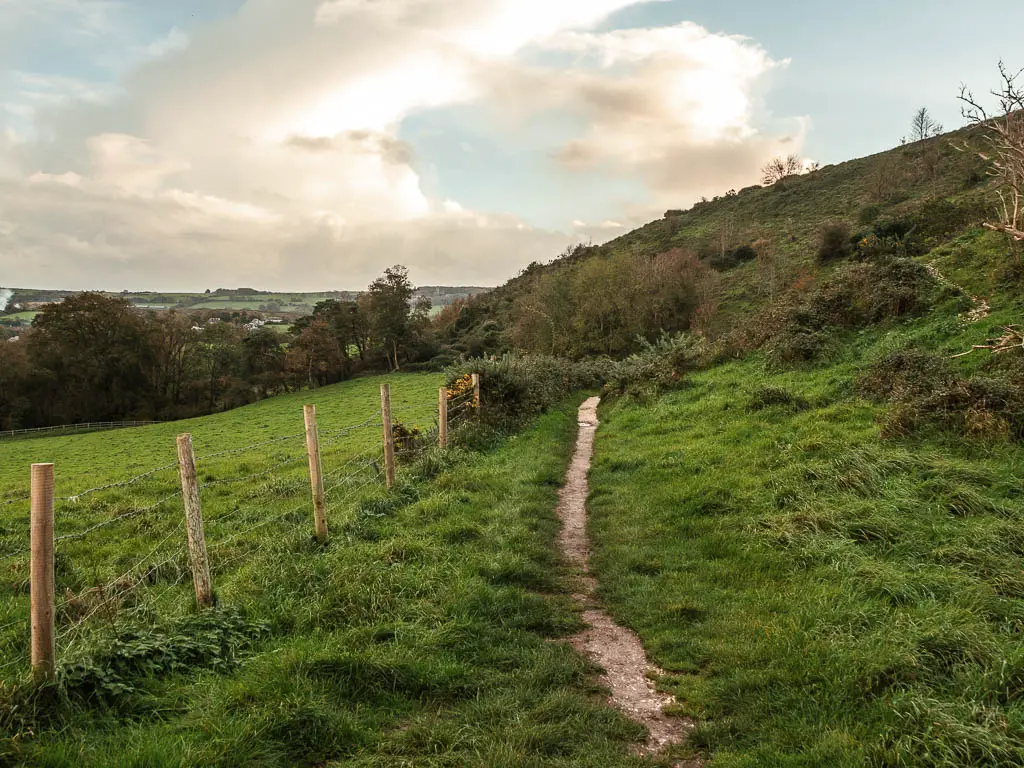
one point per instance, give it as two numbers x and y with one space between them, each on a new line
769 397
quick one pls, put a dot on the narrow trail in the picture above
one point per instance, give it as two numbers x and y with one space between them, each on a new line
614 648
980 308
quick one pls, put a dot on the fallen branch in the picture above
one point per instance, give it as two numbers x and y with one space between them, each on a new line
1012 338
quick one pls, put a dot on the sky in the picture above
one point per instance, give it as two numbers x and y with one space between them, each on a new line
180 145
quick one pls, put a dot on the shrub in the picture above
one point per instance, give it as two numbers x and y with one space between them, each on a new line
981 407
732 258
658 366
517 387
904 374
835 243
927 393
869 213
799 329
769 396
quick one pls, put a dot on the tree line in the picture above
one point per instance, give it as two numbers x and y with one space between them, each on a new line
93 358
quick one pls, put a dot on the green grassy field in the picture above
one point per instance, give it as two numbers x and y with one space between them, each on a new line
139 530
819 596
21 316
420 635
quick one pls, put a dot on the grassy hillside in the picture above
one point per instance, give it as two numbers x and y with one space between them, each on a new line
825 582
937 188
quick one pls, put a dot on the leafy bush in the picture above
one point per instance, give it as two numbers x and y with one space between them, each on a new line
927 393
903 374
835 243
517 387
658 366
732 258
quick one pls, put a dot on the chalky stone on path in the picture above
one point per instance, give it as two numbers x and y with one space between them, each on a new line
615 649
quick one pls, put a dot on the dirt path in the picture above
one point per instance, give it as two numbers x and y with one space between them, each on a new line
980 308
616 649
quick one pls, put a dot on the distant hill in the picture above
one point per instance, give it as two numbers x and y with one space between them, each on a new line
25 301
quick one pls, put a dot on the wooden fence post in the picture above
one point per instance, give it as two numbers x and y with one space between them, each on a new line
44 650
476 394
194 522
389 435
316 473
442 417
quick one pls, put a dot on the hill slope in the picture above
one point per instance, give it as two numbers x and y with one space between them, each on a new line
747 248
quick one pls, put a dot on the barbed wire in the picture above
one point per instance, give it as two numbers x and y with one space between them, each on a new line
343 489
251 446
358 457
335 436
76 497
118 518
254 475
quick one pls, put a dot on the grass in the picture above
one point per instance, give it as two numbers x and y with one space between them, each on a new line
818 596
140 533
421 635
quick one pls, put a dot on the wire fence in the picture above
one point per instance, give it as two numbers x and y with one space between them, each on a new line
244 492
90 426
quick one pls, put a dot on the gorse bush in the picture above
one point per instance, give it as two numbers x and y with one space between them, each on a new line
801 327
927 393
517 387
658 366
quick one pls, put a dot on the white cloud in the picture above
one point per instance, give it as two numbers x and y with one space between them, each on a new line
264 148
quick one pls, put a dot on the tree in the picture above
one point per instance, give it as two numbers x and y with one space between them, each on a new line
780 167
315 356
264 360
1004 136
923 126
388 308
97 357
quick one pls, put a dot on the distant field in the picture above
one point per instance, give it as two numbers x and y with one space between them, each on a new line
26 316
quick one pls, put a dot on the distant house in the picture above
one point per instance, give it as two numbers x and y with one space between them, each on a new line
254 325
213 321
14 338
275 321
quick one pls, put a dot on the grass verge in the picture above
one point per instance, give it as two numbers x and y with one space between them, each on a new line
817 596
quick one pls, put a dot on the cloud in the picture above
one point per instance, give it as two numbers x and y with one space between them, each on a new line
674 106
264 148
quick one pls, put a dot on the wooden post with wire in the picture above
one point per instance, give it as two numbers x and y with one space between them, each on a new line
44 648
476 394
389 435
316 473
194 522
442 417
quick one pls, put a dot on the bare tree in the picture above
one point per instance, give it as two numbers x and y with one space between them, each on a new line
923 126
780 167
1004 135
